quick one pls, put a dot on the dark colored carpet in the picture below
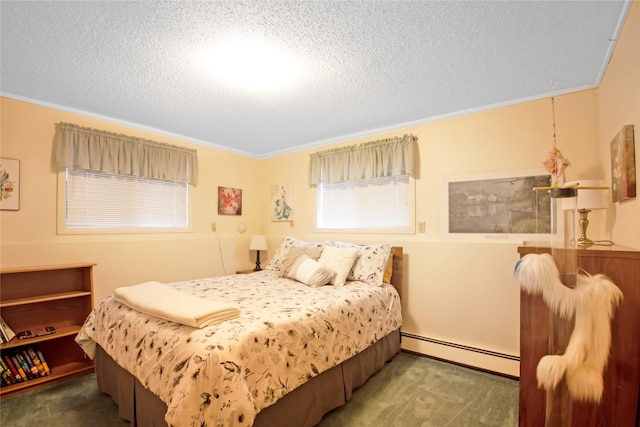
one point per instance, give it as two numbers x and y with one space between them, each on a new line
411 391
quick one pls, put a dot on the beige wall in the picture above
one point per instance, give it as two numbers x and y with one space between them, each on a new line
29 235
458 291
461 292
618 105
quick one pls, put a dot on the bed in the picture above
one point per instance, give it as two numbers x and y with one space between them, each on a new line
295 352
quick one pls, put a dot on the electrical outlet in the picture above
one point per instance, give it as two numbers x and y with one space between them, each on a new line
213 227
421 227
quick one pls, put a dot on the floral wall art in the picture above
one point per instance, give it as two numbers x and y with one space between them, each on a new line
281 202
229 201
623 165
9 184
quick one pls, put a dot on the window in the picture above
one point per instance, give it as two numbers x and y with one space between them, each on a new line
383 205
367 187
96 200
113 183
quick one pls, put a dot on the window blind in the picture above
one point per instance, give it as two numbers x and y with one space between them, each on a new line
100 200
383 203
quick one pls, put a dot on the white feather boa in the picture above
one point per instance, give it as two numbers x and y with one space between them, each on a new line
592 302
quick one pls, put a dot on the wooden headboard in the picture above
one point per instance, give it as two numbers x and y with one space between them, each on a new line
396 275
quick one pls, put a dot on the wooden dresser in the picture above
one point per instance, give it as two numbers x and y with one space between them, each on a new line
620 403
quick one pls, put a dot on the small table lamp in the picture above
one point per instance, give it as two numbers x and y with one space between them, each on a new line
592 195
258 243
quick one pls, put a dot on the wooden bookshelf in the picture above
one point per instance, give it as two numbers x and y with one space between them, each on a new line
35 297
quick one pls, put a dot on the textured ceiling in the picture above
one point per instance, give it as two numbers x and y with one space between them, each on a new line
364 66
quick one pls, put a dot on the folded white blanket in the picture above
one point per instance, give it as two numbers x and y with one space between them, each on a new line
165 302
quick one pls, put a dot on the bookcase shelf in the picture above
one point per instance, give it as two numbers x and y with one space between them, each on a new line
62 372
63 331
35 297
43 298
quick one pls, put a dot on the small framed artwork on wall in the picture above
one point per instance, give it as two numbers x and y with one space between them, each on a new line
229 201
282 202
9 184
623 165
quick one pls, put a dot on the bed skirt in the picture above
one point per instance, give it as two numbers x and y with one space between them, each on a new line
304 406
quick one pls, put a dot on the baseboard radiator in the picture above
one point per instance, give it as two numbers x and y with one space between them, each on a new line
502 363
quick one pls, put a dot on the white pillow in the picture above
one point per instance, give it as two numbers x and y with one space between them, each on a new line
310 272
339 260
370 263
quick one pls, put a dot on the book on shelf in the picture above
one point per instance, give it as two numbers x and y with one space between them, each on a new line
30 364
5 331
36 361
6 374
37 332
44 362
22 364
19 367
16 374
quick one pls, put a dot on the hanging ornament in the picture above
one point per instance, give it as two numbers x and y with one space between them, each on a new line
555 163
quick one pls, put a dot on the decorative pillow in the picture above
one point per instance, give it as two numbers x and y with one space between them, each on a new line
339 260
280 254
296 252
310 272
370 263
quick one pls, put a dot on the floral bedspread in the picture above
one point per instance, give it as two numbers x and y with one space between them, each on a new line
223 375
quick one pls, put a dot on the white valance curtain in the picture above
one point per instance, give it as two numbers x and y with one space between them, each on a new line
101 151
385 157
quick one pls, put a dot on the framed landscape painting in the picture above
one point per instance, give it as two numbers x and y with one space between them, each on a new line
497 206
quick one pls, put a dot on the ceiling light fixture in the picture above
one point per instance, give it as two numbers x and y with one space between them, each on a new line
253 65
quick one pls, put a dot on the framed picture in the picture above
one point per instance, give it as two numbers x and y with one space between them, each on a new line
496 206
282 202
229 201
9 184
623 165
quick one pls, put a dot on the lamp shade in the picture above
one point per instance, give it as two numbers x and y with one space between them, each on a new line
591 199
258 243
